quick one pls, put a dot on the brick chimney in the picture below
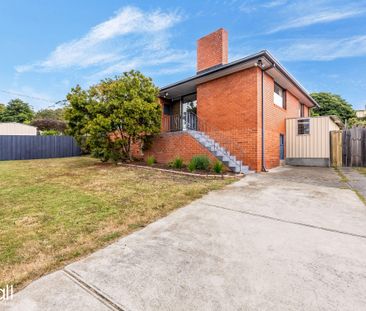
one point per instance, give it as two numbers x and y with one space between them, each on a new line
212 50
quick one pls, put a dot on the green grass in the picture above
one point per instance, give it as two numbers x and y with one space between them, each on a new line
362 170
55 211
345 180
342 177
360 196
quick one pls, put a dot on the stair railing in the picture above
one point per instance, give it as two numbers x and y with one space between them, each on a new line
196 123
190 121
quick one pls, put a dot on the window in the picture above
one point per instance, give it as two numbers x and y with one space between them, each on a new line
166 109
302 111
189 111
303 126
279 96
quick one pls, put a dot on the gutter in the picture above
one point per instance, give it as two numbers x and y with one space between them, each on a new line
288 76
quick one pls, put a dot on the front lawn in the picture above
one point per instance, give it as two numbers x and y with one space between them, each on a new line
55 211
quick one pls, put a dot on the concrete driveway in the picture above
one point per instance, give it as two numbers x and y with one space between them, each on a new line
291 239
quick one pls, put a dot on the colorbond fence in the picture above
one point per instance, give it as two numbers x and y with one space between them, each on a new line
16 147
348 147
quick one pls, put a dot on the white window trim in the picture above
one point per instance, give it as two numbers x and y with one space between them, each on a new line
277 98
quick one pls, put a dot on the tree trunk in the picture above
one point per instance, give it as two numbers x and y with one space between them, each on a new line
130 148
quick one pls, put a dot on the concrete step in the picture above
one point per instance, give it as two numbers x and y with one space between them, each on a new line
220 152
224 158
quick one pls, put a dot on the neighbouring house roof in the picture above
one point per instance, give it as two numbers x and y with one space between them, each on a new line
337 121
13 128
278 72
361 113
16 124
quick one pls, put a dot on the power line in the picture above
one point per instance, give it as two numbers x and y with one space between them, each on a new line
54 102
28 96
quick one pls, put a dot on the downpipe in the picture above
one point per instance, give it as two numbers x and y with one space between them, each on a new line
263 70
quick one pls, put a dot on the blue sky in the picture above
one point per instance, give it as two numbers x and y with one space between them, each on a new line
47 47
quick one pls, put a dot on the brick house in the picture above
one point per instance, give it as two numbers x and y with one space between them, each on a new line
234 112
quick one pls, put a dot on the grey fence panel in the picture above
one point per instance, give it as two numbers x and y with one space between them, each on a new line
354 147
16 147
363 146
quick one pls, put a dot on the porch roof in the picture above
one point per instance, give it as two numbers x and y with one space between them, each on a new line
271 65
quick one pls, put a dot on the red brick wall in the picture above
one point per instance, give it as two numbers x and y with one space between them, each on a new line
230 104
212 49
275 121
167 146
233 104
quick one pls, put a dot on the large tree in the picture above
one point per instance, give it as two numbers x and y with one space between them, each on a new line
115 114
17 111
57 126
332 104
51 114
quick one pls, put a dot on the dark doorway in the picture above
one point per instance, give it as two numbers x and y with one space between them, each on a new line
282 147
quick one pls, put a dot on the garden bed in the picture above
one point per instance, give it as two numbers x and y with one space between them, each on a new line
183 170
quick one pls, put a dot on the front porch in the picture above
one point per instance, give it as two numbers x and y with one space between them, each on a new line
180 117
179 114
179 122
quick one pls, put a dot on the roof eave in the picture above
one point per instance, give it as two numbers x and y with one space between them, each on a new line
264 53
278 66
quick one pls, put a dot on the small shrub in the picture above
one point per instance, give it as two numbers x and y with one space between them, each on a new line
177 163
51 133
191 166
200 162
218 167
150 160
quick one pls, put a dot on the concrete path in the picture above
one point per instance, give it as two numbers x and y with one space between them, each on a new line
356 180
291 239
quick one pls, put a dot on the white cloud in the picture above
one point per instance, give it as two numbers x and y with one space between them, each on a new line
117 44
173 61
250 6
323 49
317 17
274 3
297 13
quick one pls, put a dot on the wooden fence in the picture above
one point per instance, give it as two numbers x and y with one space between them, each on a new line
336 148
348 147
17 147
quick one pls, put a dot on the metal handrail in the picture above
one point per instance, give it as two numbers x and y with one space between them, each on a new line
190 121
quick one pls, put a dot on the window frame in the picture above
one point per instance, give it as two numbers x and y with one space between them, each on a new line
283 96
302 110
303 126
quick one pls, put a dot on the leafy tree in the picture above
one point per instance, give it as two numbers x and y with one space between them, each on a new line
51 114
357 122
50 125
2 109
78 115
17 111
115 114
332 104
